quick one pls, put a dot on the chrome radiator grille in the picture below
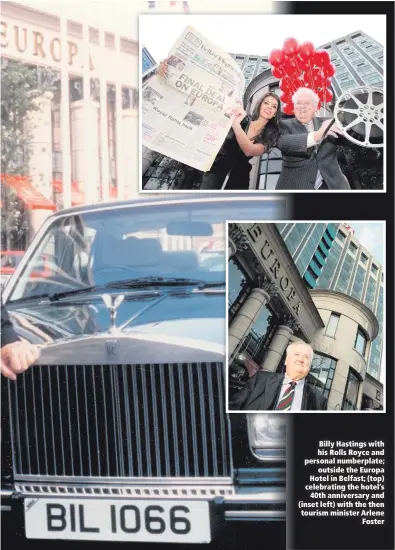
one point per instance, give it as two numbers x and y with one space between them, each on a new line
119 421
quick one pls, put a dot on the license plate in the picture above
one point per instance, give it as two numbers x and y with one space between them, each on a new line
118 520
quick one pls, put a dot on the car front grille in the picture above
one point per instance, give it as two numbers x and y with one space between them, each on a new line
120 421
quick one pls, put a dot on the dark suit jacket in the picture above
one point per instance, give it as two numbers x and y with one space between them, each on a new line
262 391
300 164
8 334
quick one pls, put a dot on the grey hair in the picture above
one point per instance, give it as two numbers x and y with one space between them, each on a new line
313 95
297 343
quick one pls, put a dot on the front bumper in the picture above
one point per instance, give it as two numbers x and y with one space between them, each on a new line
236 504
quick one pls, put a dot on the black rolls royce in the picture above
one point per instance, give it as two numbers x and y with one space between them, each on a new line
119 432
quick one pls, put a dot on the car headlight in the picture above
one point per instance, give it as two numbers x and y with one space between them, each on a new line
267 435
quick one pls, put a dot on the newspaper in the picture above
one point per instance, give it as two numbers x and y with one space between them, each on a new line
187 114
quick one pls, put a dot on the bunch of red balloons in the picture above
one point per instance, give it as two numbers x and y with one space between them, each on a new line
302 66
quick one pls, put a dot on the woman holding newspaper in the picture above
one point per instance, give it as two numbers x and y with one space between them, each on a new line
249 136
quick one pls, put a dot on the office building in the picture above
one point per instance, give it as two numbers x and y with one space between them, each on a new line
271 276
328 256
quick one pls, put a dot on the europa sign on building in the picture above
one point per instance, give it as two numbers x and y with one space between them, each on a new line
87 112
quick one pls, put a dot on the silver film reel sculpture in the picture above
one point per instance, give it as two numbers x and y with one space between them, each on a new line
360 114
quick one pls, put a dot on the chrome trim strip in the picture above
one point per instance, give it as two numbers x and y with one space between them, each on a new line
193 418
128 426
164 417
134 491
127 480
183 417
6 493
255 514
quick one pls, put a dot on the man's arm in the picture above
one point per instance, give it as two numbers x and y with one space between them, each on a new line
8 334
289 143
15 355
239 400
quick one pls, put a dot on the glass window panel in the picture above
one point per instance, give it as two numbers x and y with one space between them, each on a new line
321 366
359 280
327 273
360 342
351 393
306 254
332 324
295 236
345 274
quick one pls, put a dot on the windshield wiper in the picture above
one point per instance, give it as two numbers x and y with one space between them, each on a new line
145 282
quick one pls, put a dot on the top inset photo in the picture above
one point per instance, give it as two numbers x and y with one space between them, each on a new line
263 102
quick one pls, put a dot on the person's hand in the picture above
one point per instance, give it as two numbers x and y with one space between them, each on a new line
238 116
335 131
162 69
18 357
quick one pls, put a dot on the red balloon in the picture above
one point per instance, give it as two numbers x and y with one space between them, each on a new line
329 95
306 50
325 57
328 82
325 95
285 97
276 58
278 72
290 67
291 47
330 70
285 86
318 80
319 105
288 109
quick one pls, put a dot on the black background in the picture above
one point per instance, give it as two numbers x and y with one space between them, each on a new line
305 430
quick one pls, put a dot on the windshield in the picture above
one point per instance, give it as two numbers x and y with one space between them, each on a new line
185 239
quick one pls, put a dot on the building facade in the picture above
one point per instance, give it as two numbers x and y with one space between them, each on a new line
270 303
75 136
330 257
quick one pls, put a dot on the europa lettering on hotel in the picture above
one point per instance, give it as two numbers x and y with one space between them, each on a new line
37 44
279 276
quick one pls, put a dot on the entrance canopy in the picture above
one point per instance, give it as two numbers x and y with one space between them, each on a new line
33 199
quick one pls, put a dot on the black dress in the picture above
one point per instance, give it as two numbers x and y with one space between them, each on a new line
230 157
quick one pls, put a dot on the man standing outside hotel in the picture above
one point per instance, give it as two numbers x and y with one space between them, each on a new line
290 392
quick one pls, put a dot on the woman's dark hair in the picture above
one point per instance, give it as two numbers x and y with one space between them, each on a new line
270 132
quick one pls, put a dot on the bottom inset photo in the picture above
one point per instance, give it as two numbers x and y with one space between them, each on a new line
305 316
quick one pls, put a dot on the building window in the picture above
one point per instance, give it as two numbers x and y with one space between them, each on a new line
364 259
341 236
345 274
321 373
351 392
239 286
360 342
374 269
357 286
353 248
332 324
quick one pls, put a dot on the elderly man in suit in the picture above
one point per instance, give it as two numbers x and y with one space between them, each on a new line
282 392
16 355
309 155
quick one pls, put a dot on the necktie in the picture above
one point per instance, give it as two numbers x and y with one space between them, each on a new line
285 402
318 179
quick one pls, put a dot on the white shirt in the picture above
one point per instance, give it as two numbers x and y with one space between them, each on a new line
298 395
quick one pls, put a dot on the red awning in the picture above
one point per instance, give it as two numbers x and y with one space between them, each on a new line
77 196
32 198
